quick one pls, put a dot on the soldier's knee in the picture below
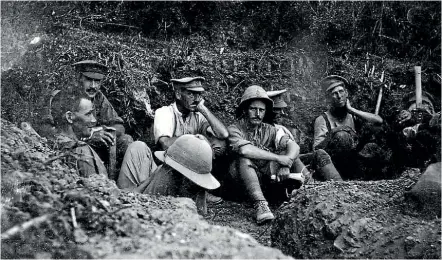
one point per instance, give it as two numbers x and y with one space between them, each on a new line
242 161
125 139
321 158
137 145
342 135
320 153
342 141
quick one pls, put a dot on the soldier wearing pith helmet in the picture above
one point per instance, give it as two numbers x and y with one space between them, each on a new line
259 150
188 114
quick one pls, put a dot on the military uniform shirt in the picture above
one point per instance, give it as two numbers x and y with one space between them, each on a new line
321 130
87 162
266 137
170 122
104 111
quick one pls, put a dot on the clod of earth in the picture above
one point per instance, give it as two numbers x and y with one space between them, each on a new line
357 220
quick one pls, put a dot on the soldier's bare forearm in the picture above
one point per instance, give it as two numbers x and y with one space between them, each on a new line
252 152
219 129
372 118
292 150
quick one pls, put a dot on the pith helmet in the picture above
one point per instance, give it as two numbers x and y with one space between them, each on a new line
191 155
277 97
411 97
330 82
91 69
252 93
189 83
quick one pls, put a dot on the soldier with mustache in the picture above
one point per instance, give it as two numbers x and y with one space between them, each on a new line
90 75
259 151
189 115
90 78
335 130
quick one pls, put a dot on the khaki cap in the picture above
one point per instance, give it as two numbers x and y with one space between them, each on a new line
330 82
91 69
189 83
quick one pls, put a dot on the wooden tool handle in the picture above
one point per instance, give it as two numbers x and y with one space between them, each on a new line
418 83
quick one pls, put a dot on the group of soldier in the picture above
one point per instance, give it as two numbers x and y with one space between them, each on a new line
259 154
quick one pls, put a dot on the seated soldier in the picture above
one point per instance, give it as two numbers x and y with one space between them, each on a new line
73 115
417 131
255 145
190 156
189 115
185 172
319 160
335 130
90 76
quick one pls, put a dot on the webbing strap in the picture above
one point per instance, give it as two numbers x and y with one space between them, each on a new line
325 116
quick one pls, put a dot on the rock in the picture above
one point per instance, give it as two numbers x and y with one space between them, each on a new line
426 193
356 220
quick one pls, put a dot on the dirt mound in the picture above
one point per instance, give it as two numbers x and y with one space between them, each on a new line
357 220
48 211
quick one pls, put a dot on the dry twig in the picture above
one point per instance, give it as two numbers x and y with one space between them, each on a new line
24 226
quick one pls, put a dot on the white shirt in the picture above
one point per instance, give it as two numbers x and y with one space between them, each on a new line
169 122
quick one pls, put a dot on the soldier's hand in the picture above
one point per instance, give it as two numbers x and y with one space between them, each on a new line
285 160
348 104
403 116
218 151
102 138
200 107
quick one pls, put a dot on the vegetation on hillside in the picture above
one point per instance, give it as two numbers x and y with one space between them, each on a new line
233 44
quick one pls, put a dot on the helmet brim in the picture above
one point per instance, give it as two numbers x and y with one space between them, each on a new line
205 180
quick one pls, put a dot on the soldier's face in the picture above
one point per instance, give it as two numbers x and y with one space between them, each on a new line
83 119
90 86
256 112
338 96
189 99
279 114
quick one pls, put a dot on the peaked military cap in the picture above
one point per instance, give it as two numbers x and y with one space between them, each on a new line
330 82
91 69
277 97
189 83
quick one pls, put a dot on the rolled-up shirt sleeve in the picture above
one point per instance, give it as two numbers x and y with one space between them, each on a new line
236 138
164 123
320 131
281 140
204 126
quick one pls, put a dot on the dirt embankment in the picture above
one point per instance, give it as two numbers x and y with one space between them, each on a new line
48 211
357 220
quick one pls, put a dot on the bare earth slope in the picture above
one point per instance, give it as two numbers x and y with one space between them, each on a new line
357 220
48 211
